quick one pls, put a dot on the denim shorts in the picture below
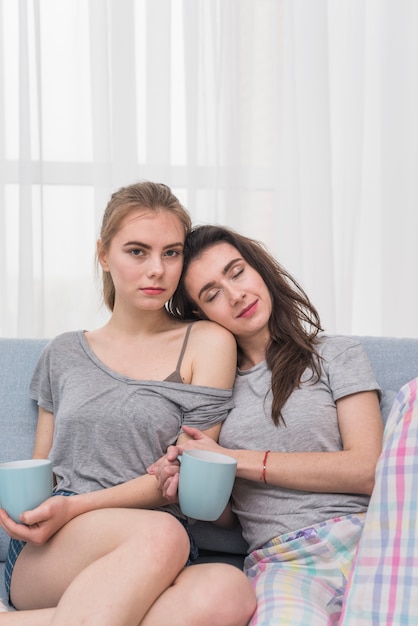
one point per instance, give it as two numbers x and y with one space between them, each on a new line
16 546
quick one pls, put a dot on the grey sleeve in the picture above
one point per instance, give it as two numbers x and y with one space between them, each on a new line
40 386
350 372
210 406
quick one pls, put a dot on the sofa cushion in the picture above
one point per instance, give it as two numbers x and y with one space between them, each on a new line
19 414
395 362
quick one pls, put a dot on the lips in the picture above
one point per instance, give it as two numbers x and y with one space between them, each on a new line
153 291
249 310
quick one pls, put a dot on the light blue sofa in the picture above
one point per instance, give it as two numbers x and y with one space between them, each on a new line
395 362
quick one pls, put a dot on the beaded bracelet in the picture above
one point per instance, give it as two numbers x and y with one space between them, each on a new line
263 473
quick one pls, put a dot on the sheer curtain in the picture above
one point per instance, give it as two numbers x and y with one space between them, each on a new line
293 121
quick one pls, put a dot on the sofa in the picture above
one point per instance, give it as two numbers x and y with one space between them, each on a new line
394 360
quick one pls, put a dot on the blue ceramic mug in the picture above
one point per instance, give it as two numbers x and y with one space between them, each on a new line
24 485
205 483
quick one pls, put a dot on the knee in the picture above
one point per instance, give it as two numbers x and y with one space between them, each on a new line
170 535
158 536
228 597
238 597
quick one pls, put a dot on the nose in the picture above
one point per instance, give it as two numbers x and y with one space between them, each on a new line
235 295
155 266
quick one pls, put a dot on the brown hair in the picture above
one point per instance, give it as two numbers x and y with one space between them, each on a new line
143 195
294 323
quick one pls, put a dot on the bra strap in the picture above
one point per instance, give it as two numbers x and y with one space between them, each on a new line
183 348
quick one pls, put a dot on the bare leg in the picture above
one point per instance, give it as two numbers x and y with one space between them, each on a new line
41 617
106 567
212 594
202 595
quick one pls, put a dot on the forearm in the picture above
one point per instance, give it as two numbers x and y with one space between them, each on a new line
347 471
141 493
339 472
44 521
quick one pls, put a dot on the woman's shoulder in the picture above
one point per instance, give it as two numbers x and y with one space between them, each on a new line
213 355
66 339
340 347
58 353
64 342
337 338
206 331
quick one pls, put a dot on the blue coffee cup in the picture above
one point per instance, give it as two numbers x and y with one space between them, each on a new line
205 483
24 485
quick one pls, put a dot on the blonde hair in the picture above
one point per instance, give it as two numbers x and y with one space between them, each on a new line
143 195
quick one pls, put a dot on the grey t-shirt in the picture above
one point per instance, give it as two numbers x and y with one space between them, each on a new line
310 415
108 427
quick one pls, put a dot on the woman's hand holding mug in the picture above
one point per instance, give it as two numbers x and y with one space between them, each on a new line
205 480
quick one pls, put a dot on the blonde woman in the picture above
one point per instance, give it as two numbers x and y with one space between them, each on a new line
107 548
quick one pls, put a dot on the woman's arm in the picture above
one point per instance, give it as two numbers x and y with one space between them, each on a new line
350 470
212 363
44 521
39 524
212 356
44 434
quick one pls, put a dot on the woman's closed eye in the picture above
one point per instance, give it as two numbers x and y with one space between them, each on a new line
211 295
237 272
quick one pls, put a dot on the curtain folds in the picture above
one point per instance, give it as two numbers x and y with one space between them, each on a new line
292 121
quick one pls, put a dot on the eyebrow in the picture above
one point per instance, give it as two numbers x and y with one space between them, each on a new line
140 244
224 272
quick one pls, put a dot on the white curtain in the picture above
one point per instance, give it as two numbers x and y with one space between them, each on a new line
293 121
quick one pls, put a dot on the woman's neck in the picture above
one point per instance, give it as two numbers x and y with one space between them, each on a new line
125 324
252 350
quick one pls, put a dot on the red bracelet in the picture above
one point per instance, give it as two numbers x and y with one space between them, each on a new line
263 473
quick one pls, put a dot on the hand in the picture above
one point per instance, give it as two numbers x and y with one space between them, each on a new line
166 470
199 441
39 524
